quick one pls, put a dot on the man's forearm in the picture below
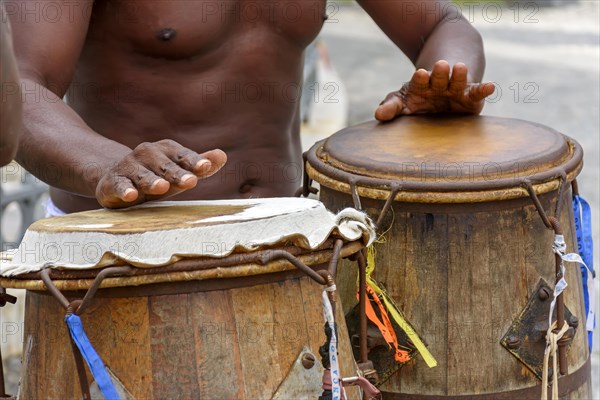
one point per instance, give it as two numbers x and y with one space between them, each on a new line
454 41
428 31
10 103
10 109
59 148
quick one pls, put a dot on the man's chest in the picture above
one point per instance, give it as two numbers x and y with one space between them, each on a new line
185 28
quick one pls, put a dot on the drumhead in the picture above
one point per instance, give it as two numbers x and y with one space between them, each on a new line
159 234
433 158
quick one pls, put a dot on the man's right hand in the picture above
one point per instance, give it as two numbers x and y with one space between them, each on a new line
154 171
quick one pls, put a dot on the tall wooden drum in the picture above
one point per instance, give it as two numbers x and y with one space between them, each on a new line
182 300
468 209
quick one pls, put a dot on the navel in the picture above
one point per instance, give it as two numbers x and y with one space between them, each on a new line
166 34
246 187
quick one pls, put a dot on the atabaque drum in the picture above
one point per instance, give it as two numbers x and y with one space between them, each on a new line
182 300
470 212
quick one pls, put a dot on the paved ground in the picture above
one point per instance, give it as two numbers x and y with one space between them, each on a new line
550 55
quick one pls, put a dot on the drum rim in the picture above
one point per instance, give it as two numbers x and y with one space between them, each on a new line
184 270
444 192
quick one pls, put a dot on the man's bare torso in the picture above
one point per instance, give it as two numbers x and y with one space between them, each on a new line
207 74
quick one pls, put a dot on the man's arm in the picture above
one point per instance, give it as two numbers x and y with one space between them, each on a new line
10 103
47 53
435 36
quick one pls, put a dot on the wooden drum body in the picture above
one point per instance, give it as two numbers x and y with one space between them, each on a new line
193 343
464 252
233 326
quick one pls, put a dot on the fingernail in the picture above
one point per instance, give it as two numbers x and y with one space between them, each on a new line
127 193
186 177
157 182
202 163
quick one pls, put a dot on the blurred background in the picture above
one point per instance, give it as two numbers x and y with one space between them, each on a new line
543 56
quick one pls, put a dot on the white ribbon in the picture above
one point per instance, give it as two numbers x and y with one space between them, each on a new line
560 248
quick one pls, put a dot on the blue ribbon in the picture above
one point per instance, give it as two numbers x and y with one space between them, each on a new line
92 358
583 229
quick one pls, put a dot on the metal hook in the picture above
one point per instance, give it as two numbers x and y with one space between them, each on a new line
536 202
561 192
105 273
337 247
277 254
45 274
355 195
395 188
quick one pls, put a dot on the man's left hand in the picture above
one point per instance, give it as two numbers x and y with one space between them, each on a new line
434 92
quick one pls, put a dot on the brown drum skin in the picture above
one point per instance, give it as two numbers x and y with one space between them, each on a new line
462 254
237 343
461 274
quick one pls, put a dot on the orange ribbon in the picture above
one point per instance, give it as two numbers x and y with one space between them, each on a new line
384 325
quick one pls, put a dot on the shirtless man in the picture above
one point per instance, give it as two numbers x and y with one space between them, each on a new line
153 86
10 103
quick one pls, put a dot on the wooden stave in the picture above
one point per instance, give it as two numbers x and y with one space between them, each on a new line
46 334
578 354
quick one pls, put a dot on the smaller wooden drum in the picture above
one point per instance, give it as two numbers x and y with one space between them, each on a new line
185 300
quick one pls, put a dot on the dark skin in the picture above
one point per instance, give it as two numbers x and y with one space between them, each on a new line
154 87
10 102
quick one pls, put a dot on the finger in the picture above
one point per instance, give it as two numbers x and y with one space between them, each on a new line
176 175
152 157
440 76
217 159
389 108
202 165
191 161
146 181
488 88
419 83
116 191
458 80
184 157
481 91
165 169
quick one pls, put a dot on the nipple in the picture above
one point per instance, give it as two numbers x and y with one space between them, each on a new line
166 34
